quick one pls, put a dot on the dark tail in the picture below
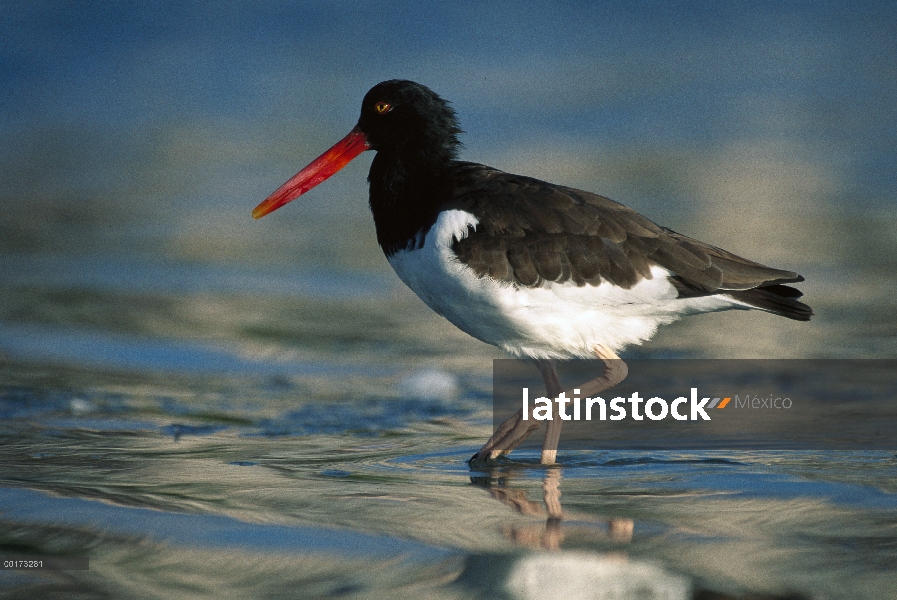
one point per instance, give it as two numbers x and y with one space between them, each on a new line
776 298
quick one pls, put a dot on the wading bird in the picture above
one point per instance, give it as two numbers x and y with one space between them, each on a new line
540 270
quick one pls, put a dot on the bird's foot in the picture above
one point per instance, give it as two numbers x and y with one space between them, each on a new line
486 458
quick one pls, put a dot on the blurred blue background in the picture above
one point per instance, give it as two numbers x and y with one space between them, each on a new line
136 138
161 349
148 131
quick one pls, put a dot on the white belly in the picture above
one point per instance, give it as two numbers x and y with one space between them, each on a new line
551 321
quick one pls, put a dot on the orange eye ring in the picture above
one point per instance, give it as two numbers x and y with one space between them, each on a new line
383 107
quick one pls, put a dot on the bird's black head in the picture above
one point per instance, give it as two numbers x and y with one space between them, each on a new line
416 136
402 117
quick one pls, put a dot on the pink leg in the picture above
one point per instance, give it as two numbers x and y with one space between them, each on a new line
513 431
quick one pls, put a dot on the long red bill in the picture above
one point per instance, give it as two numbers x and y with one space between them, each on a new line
319 170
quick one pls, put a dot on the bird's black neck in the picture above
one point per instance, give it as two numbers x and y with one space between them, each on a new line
406 193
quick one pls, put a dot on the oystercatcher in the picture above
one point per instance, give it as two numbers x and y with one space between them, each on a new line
539 270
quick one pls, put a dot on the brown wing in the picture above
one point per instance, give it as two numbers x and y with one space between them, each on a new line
531 232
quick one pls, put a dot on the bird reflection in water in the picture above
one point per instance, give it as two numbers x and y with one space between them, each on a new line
550 534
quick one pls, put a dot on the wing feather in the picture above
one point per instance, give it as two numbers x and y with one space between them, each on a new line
532 232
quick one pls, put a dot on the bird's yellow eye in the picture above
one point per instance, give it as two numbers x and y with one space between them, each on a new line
383 107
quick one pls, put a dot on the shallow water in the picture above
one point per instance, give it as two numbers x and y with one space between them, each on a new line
215 432
211 407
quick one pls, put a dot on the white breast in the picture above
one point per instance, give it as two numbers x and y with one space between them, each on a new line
551 321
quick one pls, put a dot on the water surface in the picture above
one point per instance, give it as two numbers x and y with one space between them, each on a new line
212 407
